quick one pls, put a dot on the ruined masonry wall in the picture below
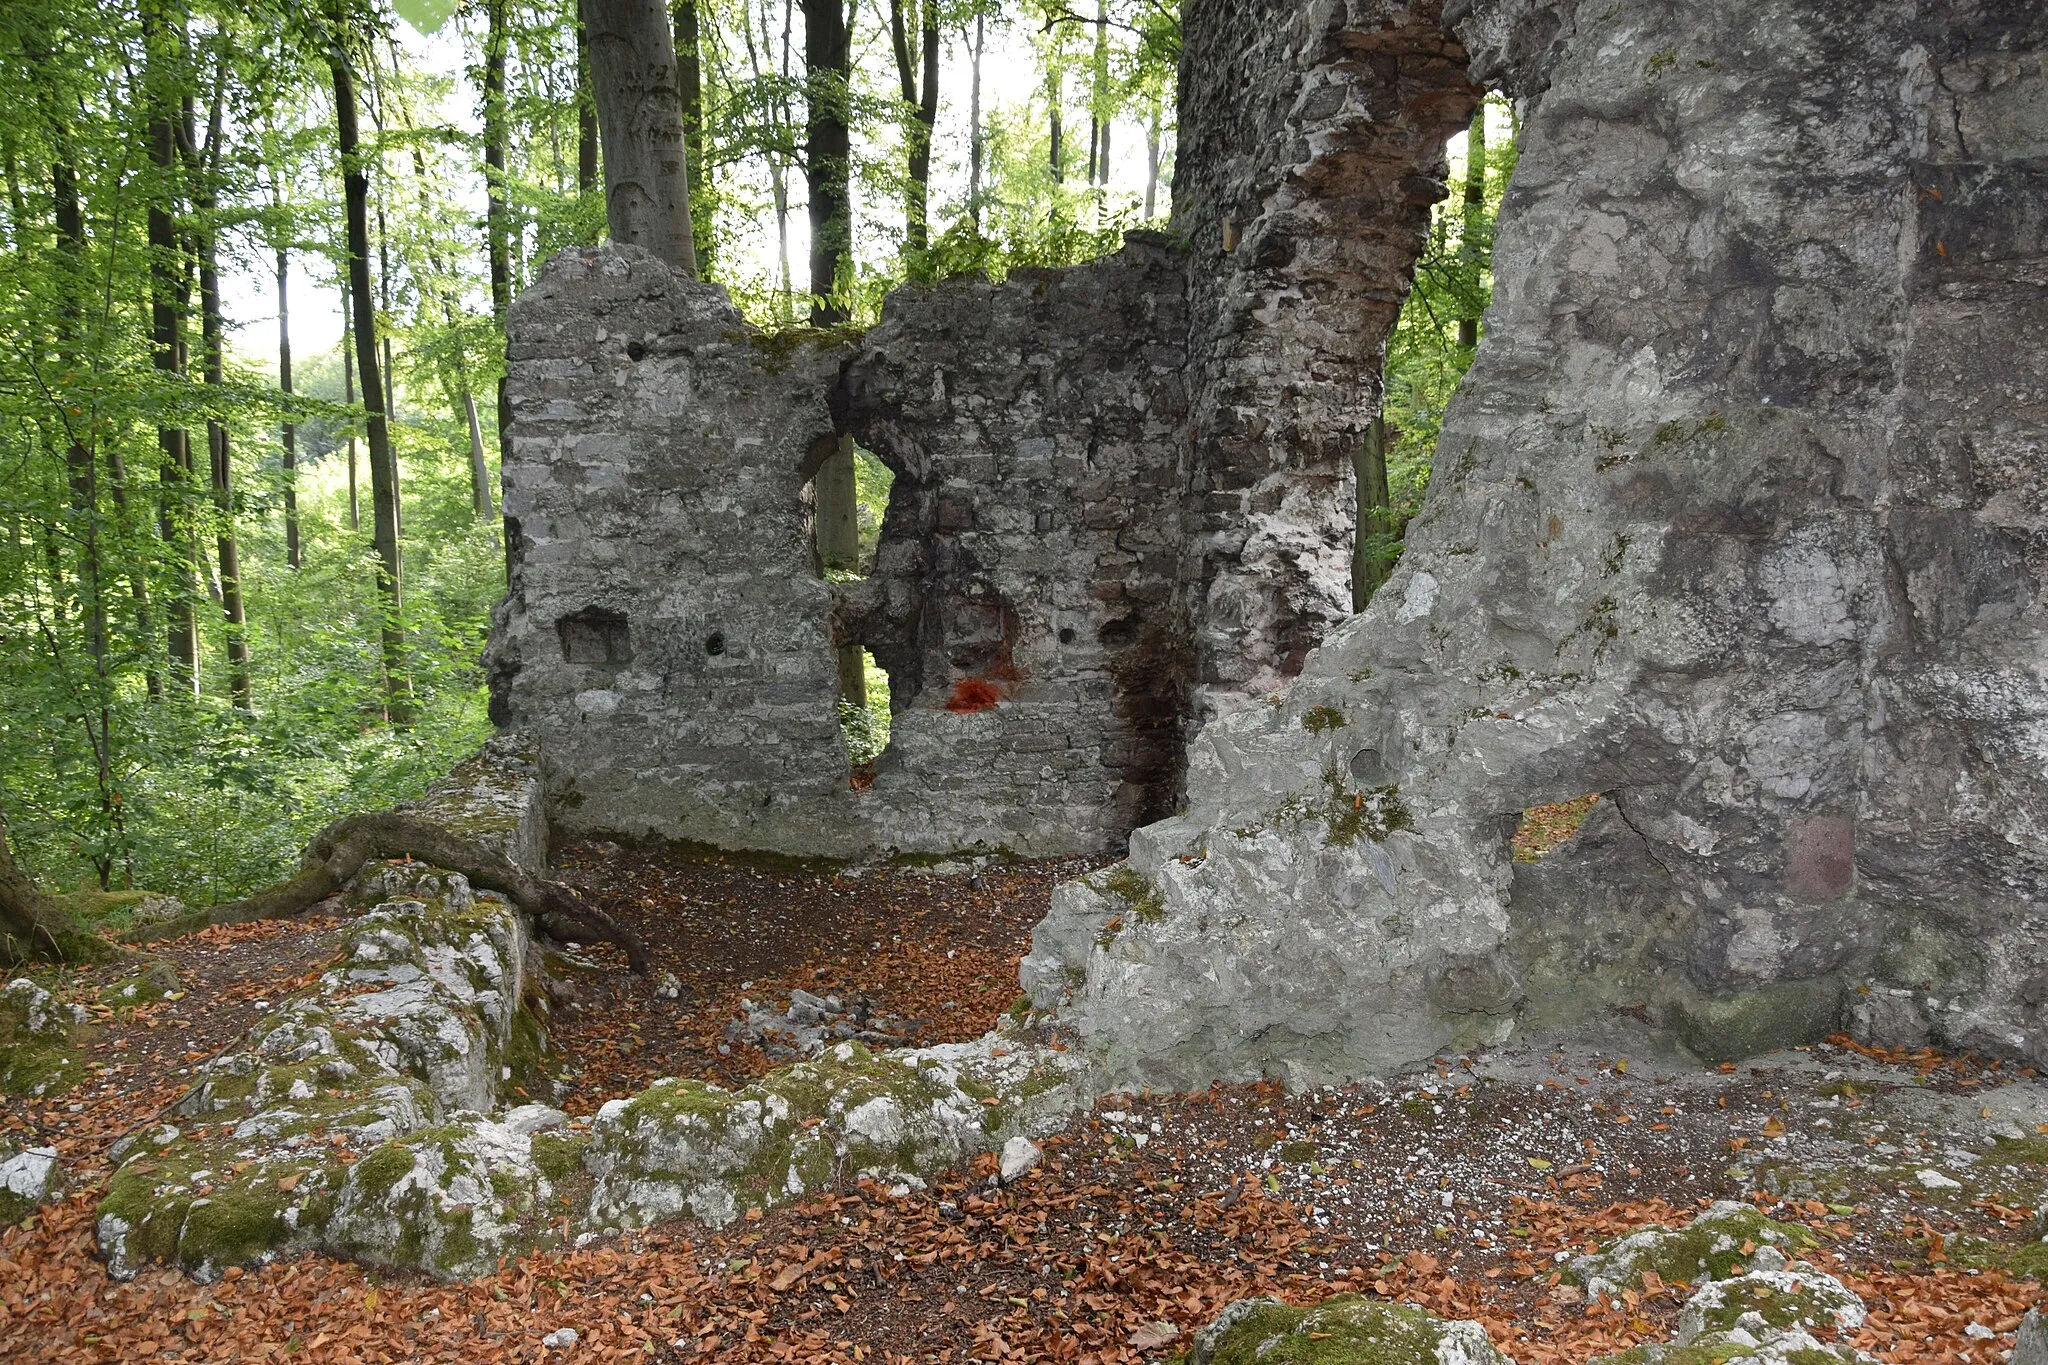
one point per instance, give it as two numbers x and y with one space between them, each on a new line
667 642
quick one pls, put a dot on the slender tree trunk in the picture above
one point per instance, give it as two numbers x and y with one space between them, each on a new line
1475 211
1053 95
1152 163
690 85
975 147
1098 101
1369 564
639 120
497 216
586 109
917 74
167 353
220 465
348 396
836 506
383 484
828 151
294 552
390 379
82 468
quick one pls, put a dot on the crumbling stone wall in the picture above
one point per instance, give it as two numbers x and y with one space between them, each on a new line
1123 489
1311 147
1739 520
668 639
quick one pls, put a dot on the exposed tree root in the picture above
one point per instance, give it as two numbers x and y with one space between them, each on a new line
34 928
339 851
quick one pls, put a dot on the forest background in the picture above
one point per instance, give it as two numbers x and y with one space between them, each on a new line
249 535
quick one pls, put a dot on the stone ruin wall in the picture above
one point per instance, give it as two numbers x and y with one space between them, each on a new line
1123 492
1738 521
669 640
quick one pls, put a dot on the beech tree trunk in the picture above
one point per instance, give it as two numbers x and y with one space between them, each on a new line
34 928
383 481
639 121
164 44
690 83
917 74
1475 209
828 151
293 552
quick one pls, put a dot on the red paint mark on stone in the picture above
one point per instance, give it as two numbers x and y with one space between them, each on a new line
1820 857
973 694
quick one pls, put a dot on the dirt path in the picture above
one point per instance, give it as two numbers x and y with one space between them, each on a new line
1461 1188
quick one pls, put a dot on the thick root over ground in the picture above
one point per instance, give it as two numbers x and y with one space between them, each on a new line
339 851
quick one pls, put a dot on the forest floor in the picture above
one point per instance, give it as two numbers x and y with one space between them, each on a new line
1461 1188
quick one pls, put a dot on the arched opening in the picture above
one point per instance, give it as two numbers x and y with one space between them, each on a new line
1433 342
847 495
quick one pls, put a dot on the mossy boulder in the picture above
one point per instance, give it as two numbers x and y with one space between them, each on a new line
1766 1302
1757 1021
1766 1317
1346 1330
155 980
352 1118
687 1147
29 1176
38 1041
1717 1244
117 910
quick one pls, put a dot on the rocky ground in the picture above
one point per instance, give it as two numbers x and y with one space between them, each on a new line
1469 1188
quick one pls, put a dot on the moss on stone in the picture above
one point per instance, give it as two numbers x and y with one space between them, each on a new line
1321 719
1775 1016
1346 1330
1142 900
559 1156
1710 1247
380 1171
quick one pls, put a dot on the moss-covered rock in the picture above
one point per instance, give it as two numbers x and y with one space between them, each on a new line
393 1056
1767 1317
1761 1020
1346 1330
1764 1302
154 980
38 1041
1717 1244
687 1147
29 1176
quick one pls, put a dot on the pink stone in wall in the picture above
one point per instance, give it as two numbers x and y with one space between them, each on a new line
1820 857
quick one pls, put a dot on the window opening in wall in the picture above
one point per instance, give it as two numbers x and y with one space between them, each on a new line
1432 343
849 496
1544 828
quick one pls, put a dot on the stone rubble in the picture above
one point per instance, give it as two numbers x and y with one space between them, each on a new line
812 1023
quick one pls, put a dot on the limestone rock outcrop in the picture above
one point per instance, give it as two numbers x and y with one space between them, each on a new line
1739 520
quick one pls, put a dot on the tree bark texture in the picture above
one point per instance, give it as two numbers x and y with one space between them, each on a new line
639 121
690 85
917 74
167 301
294 552
1475 209
828 151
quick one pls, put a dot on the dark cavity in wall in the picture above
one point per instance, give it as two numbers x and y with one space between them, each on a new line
595 635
